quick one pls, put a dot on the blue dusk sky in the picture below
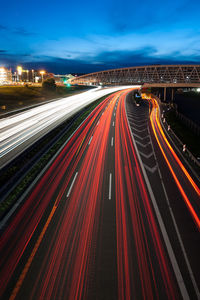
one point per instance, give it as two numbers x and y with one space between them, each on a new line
87 36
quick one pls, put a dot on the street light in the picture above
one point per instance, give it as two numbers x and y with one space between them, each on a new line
33 80
27 77
42 73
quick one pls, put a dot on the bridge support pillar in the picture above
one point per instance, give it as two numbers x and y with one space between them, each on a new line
172 98
165 92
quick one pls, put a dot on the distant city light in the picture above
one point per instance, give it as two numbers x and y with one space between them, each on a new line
42 73
19 70
2 75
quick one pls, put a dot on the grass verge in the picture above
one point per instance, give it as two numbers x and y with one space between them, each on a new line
17 97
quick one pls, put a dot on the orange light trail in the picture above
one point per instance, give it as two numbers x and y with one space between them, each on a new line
173 152
154 118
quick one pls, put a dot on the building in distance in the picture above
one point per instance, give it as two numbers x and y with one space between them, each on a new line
5 76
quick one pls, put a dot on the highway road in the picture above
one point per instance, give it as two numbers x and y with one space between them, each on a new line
19 131
107 220
178 171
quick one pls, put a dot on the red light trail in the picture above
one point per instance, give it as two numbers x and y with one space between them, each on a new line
131 192
52 248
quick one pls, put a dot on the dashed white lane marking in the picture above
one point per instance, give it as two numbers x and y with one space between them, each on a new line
97 123
110 186
90 140
113 123
112 142
72 185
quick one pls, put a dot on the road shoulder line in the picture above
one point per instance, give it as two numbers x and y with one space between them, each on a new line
169 248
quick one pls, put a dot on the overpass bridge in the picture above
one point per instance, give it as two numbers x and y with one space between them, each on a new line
160 76
174 74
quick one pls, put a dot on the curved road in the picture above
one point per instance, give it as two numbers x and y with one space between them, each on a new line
92 227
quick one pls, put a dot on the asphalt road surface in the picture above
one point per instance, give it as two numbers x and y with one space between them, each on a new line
101 224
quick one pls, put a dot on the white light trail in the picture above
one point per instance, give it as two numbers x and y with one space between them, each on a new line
37 121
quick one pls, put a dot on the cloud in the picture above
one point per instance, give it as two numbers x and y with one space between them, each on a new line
108 60
90 49
127 56
16 31
12 60
22 31
145 56
2 27
101 61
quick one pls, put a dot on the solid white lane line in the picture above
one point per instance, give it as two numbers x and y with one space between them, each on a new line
72 185
90 140
176 228
112 140
110 186
170 250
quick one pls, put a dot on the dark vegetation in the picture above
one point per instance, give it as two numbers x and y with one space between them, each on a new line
49 85
184 133
188 104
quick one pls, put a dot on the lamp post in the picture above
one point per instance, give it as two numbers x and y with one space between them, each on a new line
27 75
33 80
42 73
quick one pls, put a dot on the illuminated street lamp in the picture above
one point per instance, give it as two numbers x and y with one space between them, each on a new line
42 73
33 80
